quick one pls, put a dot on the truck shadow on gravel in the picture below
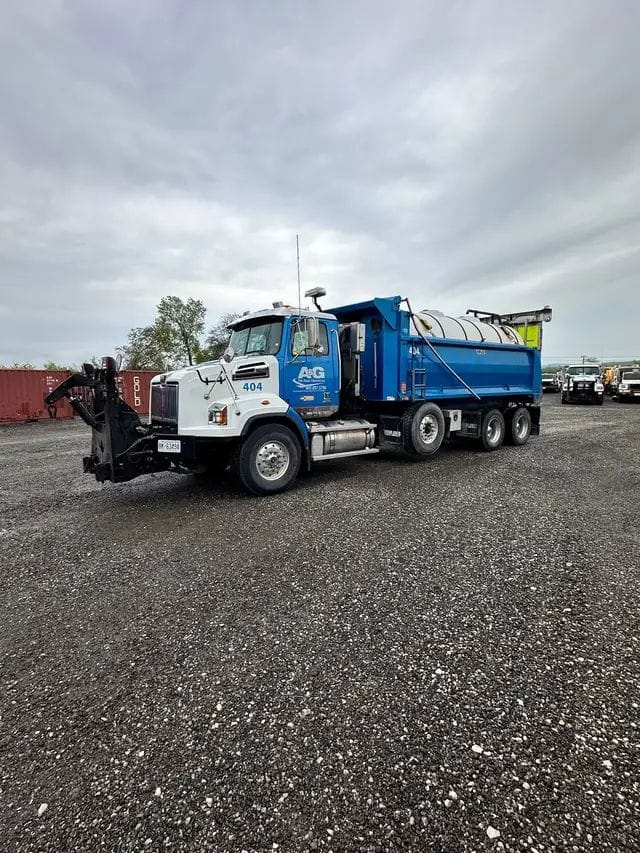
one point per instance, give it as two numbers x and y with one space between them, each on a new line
178 491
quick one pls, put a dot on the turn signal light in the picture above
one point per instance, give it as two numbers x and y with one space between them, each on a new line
218 416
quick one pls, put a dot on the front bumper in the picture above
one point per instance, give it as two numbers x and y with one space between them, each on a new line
584 396
185 455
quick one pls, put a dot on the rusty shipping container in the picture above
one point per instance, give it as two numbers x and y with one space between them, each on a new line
22 394
135 388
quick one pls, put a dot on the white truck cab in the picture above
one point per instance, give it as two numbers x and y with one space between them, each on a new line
627 384
582 383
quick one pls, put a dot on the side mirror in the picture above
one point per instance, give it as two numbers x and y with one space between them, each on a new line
228 355
357 337
313 334
306 336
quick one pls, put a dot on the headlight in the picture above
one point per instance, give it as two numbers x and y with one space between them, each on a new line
624 386
599 386
218 416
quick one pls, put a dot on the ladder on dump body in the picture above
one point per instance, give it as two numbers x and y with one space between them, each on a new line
417 369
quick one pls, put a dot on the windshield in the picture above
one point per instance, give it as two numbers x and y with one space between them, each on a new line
262 338
584 370
630 374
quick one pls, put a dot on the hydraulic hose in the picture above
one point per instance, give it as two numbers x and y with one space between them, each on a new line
436 353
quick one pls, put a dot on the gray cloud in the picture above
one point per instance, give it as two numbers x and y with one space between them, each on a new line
465 155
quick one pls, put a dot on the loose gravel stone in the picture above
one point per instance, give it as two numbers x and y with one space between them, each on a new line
186 668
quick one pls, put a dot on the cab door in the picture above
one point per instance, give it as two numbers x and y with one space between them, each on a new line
311 380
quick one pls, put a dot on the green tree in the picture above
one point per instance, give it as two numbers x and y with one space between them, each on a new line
182 323
146 349
173 339
53 365
219 334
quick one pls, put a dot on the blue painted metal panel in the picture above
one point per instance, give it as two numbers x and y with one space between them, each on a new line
398 365
308 380
295 417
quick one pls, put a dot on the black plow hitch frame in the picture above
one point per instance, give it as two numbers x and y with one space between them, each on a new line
122 446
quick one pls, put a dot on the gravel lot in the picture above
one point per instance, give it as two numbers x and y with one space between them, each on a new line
392 656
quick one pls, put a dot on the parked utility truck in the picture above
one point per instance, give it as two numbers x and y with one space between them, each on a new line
626 384
297 387
582 383
551 382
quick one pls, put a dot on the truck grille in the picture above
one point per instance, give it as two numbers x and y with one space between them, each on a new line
164 407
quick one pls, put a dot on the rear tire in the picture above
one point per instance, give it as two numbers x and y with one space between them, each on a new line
492 431
267 461
519 429
422 429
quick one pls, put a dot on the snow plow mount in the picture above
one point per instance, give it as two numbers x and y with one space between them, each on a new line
122 446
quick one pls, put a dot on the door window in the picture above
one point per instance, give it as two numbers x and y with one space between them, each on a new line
300 340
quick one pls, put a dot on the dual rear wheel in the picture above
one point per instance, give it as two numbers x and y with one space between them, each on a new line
423 429
496 430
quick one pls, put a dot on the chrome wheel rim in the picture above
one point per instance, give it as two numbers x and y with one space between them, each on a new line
522 427
494 431
273 460
428 429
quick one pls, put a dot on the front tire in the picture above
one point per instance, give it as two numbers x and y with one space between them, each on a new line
493 430
423 429
267 461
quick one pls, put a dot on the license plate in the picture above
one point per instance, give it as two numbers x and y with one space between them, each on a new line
168 445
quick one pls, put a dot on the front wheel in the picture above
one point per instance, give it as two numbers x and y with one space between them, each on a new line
493 430
267 461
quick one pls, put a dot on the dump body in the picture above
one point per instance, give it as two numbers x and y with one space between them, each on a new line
399 364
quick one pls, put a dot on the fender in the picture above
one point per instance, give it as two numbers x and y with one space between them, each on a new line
291 418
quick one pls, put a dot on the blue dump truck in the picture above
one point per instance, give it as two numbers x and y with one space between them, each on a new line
297 387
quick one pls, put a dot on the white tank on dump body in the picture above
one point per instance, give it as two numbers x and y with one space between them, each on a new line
435 324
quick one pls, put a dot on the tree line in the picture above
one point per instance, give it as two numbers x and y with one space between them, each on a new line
177 337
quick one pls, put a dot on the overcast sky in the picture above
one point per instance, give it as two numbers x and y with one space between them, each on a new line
482 155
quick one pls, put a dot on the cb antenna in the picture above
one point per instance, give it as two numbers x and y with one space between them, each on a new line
298 260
